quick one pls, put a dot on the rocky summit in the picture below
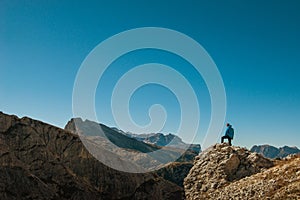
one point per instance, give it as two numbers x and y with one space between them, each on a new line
226 172
40 161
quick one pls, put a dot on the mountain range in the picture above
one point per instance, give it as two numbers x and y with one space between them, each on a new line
161 139
141 154
273 152
41 161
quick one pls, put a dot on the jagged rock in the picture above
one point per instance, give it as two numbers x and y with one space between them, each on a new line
220 165
40 161
277 183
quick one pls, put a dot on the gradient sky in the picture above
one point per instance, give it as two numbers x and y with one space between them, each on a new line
255 45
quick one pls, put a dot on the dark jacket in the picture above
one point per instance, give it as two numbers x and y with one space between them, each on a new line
229 132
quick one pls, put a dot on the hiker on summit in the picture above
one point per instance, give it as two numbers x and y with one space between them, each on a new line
228 134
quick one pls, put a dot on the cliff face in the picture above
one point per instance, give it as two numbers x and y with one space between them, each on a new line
40 161
218 166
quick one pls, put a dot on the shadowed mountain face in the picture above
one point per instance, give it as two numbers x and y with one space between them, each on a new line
138 155
174 172
40 161
272 152
90 128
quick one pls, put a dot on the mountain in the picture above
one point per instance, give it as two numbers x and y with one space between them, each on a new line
90 128
141 156
40 161
160 139
227 172
162 164
272 152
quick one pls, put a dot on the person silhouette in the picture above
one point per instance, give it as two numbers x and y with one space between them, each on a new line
228 134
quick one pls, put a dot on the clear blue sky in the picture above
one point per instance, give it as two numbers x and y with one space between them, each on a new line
255 45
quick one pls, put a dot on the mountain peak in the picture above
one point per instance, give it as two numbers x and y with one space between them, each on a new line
274 152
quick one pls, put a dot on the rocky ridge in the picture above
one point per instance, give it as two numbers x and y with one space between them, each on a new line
40 161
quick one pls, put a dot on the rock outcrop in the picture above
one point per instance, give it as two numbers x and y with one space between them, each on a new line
281 182
40 161
218 166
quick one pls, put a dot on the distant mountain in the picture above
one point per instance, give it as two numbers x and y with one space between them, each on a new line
160 139
175 171
272 152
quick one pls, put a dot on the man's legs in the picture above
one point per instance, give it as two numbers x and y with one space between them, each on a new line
226 137
222 139
229 141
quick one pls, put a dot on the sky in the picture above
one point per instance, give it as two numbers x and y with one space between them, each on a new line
254 44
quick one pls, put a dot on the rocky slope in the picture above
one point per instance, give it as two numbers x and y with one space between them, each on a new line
40 161
225 172
272 152
281 182
175 172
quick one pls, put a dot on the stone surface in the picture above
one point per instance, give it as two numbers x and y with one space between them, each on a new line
220 165
277 183
40 161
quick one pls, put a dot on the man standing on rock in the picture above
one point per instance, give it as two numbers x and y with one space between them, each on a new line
228 134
